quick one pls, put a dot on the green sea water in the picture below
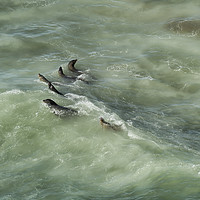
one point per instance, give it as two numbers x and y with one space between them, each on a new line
141 59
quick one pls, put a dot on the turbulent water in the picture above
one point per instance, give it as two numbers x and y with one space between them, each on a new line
141 61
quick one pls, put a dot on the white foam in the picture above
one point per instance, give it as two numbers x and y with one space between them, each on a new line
132 135
15 91
86 107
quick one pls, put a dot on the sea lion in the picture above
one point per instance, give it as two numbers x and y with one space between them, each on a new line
61 74
52 88
184 25
42 78
61 109
108 125
72 68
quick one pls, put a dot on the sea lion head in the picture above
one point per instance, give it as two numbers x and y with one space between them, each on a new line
49 102
102 119
41 77
103 122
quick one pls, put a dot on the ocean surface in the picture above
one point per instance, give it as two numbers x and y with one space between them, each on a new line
141 70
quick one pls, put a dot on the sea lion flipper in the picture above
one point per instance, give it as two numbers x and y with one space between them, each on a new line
60 72
71 67
52 88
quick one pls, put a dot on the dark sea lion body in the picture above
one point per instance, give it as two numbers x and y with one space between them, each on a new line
74 70
184 25
42 78
61 74
71 67
108 125
64 110
52 88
